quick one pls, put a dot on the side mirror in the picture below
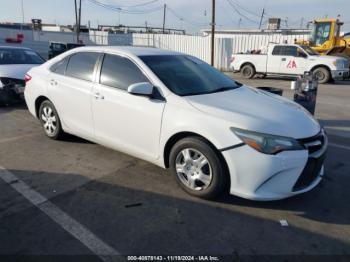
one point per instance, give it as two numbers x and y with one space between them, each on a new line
302 55
142 89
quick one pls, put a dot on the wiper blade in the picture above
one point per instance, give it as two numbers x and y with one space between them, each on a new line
222 89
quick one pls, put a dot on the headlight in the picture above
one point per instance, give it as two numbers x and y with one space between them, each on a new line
267 144
1 84
340 64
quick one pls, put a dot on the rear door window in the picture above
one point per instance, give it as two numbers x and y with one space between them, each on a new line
59 67
120 72
82 65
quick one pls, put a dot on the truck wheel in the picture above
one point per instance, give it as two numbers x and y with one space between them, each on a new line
322 74
248 71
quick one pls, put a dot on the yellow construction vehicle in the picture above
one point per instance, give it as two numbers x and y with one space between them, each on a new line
325 38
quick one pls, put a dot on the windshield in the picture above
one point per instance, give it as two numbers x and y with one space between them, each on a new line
187 75
58 47
14 56
320 33
309 50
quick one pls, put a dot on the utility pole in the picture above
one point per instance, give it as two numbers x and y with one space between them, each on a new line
262 17
79 20
22 15
302 23
76 19
164 16
239 23
212 32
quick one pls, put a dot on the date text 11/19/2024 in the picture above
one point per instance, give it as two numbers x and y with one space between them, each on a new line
173 258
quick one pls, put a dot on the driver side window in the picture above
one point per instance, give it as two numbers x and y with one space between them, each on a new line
120 72
301 53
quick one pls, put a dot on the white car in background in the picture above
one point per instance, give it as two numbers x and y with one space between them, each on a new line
15 62
178 112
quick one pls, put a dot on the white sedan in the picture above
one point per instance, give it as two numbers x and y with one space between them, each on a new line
176 111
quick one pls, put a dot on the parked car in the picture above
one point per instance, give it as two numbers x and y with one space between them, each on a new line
178 112
14 64
57 48
290 60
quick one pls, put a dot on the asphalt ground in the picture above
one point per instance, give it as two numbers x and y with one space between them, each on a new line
76 200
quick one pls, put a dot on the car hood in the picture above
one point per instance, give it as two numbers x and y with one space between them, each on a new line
15 71
326 58
259 111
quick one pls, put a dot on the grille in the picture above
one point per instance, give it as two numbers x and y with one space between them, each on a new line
310 173
314 164
313 144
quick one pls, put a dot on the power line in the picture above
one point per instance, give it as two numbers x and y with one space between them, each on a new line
143 4
132 6
231 3
124 10
181 18
245 9
252 12
227 13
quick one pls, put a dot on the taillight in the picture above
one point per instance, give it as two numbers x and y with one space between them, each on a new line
232 59
27 78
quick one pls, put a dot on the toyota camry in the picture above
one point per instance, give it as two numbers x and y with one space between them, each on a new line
176 111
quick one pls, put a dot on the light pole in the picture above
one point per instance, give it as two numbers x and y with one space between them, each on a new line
22 6
213 32
164 16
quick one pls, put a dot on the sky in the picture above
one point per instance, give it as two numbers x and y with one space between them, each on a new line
191 15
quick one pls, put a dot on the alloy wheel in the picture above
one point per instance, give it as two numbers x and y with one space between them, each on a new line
49 120
193 169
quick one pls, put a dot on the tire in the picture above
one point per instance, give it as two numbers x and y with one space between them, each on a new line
322 74
248 71
50 120
203 177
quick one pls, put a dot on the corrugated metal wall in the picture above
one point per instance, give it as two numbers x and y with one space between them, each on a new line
199 46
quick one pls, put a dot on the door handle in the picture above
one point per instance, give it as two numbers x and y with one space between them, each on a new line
284 59
53 82
99 96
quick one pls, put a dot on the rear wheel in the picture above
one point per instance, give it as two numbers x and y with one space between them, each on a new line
322 74
50 120
198 168
248 71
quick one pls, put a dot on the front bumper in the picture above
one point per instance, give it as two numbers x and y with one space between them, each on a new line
340 74
262 177
11 90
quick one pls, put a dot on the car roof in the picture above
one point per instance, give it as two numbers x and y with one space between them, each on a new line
130 50
14 47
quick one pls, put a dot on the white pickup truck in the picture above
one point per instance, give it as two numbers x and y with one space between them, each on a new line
290 60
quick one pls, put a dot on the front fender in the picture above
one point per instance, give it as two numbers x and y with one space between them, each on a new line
215 130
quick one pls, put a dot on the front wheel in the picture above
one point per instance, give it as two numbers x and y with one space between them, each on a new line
198 168
50 120
322 74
